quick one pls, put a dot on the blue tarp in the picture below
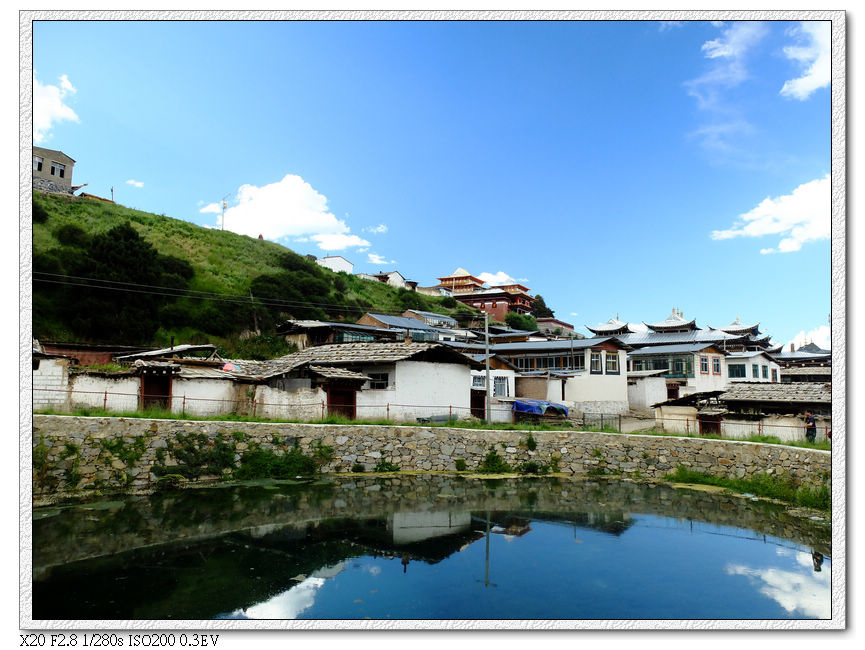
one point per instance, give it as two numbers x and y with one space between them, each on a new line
539 407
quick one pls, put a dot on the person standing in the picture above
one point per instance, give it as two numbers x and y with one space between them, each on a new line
810 427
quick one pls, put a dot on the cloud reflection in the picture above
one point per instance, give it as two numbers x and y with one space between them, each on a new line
292 603
804 592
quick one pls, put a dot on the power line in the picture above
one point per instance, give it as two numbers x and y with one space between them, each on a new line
150 289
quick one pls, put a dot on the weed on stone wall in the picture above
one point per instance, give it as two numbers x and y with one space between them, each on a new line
494 464
197 455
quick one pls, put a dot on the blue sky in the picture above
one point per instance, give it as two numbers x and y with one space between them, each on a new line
615 168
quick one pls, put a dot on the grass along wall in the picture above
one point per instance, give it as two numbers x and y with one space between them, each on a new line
82 454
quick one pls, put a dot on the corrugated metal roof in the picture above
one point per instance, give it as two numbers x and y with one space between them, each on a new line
550 346
804 392
679 348
646 373
747 354
402 322
432 314
177 349
639 339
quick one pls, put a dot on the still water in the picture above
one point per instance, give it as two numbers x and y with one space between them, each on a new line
430 547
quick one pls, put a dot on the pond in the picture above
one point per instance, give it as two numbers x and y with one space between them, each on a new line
431 547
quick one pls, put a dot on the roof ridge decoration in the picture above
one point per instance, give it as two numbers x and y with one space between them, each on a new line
614 325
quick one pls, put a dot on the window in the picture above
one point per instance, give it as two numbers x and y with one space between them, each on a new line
637 364
755 371
35 364
378 380
596 363
704 365
736 370
576 362
613 363
478 381
57 169
716 366
37 163
775 375
765 372
500 387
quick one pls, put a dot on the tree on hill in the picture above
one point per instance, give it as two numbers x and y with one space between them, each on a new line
110 286
539 307
521 322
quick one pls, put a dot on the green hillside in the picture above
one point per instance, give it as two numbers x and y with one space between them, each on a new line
104 273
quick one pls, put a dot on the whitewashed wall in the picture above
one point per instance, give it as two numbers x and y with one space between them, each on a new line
89 390
300 404
499 411
786 428
677 419
418 389
335 264
646 392
204 396
50 383
599 393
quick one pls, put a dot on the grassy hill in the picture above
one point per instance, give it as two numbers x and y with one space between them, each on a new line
160 277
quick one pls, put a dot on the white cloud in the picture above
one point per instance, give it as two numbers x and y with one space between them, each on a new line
290 207
807 592
494 279
728 53
802 216
814 57
664 25
374 258
212 208
134 183
821 336
337 241
49 108
377 230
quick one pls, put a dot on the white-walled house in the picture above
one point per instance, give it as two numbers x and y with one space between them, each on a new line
754 366
397 381
587 375
688 367
335 263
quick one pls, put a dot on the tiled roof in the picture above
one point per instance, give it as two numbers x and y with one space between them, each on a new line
672 321
330 372
807 370
803 392
359 353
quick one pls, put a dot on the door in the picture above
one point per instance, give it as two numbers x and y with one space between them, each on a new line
155 391
342 401
478 404
672 391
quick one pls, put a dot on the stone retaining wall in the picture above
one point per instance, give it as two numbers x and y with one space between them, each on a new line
80 453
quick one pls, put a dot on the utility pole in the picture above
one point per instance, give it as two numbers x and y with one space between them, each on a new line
112 193
487 360
223 210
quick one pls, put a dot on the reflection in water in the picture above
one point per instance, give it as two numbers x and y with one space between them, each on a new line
434 548
803 593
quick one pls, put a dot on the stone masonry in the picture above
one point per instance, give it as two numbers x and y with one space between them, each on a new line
79 453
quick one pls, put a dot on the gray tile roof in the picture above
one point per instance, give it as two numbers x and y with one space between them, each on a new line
372 353
801 392
807 370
